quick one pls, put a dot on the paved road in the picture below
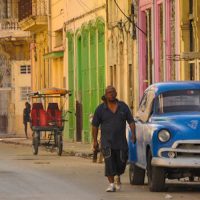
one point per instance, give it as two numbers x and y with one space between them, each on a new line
49 177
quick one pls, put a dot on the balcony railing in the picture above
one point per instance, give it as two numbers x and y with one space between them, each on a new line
32 8
9 24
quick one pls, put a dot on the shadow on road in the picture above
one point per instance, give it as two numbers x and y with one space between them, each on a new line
183 187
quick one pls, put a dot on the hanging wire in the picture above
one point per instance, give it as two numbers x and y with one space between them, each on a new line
81 4
84 4
85 7
129 19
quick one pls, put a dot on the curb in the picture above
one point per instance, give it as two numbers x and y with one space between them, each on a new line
66 152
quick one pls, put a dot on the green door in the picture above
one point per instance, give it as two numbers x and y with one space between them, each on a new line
93 71
85 84
79 116
91 74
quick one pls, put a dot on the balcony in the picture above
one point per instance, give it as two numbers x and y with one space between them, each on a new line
32 15
9 24
9 28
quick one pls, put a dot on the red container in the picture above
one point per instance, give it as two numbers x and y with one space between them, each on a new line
58 118
49 116
34 118
42 118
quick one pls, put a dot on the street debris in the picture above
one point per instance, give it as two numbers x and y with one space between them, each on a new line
168 196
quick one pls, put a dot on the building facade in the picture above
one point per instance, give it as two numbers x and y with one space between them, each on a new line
85 28
189 40
55 55
33 17
14 57
85 45
68 51
120 49
156 42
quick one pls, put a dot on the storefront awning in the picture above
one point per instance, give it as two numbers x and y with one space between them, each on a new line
54 54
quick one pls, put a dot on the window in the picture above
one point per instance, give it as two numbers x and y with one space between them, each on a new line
143 103
191 6
25 69
113 75
58 38
146 106
192 71
23 93
178 101
25 9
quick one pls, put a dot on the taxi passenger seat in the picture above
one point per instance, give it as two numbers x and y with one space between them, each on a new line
35 113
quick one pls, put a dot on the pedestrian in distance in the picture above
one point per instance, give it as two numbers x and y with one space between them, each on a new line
111 116
26 117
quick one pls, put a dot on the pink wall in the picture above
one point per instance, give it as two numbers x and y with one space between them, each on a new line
177 39
168 39
143 5
156 41
142 52
148 4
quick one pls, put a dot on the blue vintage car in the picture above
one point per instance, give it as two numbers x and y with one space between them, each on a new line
168 135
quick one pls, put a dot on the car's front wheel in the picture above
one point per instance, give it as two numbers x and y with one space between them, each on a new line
156 176
136 175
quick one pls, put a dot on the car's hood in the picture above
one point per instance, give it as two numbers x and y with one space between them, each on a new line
180 123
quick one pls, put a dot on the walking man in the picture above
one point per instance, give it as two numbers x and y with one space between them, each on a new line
111 116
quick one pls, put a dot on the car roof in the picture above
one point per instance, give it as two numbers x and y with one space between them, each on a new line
173 85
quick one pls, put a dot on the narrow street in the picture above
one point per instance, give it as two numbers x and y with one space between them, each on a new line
47 176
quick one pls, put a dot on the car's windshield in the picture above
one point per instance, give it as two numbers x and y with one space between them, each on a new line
178 101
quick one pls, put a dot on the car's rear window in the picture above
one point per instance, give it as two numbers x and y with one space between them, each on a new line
178 101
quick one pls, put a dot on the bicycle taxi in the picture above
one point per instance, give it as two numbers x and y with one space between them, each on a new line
47 118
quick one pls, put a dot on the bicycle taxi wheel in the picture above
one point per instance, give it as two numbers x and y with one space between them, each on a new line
59 143
35 142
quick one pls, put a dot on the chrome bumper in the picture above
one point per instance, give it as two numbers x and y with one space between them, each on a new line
176 162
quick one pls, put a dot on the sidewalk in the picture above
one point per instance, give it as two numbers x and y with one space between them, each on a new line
69 148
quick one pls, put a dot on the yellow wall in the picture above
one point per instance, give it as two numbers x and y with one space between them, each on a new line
16 45
57 21
19 80
192 55
39 64
61 19
80 13
57 73
120 53
77 8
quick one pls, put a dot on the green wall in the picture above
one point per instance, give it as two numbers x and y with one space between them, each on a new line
71 116
90 73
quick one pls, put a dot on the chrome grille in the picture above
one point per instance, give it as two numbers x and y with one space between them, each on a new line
182 149
188 146
186 150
